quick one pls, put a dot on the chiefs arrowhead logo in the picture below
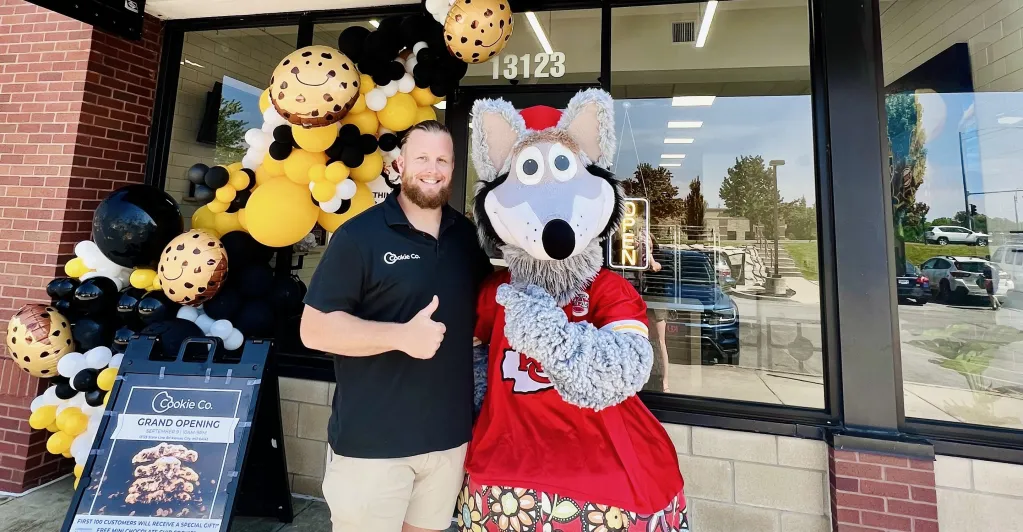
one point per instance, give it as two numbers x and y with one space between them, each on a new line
526 373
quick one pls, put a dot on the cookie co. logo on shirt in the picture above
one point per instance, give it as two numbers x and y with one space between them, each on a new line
165 401
526 373
391 258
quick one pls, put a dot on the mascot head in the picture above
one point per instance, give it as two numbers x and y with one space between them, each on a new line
545 188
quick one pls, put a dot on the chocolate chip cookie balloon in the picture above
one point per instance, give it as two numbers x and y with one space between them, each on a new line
314 86
193 268
477 30
37 337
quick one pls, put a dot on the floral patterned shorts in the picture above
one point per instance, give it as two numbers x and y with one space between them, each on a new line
501 509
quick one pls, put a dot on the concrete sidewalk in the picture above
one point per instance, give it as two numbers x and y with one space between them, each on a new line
43 510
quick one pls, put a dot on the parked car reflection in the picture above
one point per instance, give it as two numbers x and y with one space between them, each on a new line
913 286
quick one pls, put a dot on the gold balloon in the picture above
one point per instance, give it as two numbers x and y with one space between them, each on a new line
216 206
76 267
360 105
43 417
425 113
79 469
280 213
362 200
297 165
233 167
241 219
76 425
203 218
239 180
142 278
226 194
264 101
226 222
400 112
105 379
271 166
336 172
314 138
366 83
323 191
423 96
370 169
59 443
53 426
66 415
367 121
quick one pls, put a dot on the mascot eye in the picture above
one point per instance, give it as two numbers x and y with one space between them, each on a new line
562 160
530 166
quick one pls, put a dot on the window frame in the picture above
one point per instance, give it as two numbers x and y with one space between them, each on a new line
863 373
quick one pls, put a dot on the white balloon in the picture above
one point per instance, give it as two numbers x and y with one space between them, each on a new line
51 396
94 422
382 130
70 364
78 401
406 83
204 322
254 136
395 153
331 206
270 116
98 357
188 313
62 406
221 328
234 340
252 159
346 189
376 99
421 44
410 64
115 361
390 89
38 402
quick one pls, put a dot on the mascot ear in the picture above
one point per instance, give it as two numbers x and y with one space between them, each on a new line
589 119
496 128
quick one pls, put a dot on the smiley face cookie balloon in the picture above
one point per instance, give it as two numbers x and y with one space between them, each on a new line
477 30
314 86
193 268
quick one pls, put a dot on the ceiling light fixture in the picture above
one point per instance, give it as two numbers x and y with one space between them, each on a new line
708 16
538 31
375 23
670 165
1010 120
684 124
692 101
673 156
678 141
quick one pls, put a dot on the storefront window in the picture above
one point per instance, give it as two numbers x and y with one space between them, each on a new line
716 151
953 77
545 47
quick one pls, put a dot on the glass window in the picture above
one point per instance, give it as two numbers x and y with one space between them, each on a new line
545 47
953 81
999 255
714 114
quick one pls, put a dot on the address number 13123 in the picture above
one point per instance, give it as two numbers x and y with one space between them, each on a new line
539 65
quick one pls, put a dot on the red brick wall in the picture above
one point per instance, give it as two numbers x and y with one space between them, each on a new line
75 106
874 493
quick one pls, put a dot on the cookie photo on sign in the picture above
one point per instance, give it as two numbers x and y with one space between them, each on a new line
314 86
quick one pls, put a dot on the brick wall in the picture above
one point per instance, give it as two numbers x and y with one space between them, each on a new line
875 493
75 106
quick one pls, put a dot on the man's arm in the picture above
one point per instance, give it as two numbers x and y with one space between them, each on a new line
341 333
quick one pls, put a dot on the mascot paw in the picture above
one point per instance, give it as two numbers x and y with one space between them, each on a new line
531 295
533 322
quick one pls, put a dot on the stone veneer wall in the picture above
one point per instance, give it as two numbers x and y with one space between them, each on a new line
734 480
978 495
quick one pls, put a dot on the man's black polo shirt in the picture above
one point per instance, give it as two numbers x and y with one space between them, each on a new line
379 268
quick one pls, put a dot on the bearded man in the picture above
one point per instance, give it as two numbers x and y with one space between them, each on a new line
395 299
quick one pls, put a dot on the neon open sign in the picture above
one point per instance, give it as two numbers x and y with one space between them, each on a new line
628 249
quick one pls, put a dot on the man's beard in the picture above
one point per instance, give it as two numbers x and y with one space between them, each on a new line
421 199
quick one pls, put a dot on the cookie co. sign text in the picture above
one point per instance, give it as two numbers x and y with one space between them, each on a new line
539 65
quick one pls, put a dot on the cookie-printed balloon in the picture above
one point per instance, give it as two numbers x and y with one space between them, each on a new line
37 337
193 268
477 30
314 86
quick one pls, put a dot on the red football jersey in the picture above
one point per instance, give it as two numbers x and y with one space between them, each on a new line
528 436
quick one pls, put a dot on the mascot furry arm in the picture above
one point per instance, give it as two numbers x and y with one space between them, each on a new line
589 367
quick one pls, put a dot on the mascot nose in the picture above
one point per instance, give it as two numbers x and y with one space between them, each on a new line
558 239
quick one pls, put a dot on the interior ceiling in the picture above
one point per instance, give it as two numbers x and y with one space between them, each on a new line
183 9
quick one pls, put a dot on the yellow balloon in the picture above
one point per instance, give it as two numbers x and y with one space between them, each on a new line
366 121
43 417
263 175
314 138
272 166
105 379
362 200
79 469
439 99
157 284
76 484
202 218
53 426
226 194
366 83
423 96
264 101
226 222
323 191
66 415
233 167
217 206
67 453
142 278
59 443
76 267
370 169
316 173
76 425
297 165
425 113
280 213
336 172
360 105
400 112
105 397
241 219
239 180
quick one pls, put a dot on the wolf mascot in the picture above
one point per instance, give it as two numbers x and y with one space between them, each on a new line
562 442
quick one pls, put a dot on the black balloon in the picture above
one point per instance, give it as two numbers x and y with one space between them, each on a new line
61 288
64 391
132 226
217 177
155 306
381 78
367 143
204 193
90 332
439 89
197 173
348 133
122 336
95 295
286 295
395 70
252 178
85 380
280 150
283 134
171 333
224 305
242 249
414 28
421 75
352 156
350 42
255 319
65 307
255 281
128 306
95 397
239 201
388 141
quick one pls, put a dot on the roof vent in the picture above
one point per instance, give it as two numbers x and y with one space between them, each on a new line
683 32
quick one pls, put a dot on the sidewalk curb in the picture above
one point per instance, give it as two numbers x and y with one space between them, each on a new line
746 295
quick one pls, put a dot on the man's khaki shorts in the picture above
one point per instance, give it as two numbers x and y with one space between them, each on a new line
378 495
